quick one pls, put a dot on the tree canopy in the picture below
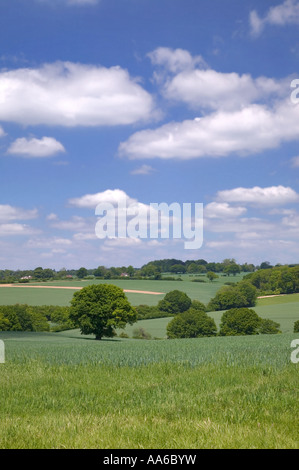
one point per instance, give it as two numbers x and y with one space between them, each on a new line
191 324
175 302
100 308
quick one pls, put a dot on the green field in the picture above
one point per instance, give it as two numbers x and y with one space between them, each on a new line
202 291
69 392
66 390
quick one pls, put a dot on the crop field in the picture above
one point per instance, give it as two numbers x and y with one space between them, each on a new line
66 390
59 391
202 291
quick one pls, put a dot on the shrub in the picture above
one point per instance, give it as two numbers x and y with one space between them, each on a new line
197 305
140 333
296 326
191 324
239 321
242 294
123 335
269 327
147 312
175 302
22 317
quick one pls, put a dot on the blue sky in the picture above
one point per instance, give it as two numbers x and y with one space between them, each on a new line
148 101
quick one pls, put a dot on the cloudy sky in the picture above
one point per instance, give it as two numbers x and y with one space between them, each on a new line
148 101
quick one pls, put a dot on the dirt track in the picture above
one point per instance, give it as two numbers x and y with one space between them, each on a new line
78 288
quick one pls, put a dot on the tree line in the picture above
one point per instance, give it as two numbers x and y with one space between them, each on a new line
151 270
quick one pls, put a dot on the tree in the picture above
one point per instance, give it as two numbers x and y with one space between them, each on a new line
232 268
242 294
175 302
100 308
81 273
178 268
191 324
197 305
211 275
239 321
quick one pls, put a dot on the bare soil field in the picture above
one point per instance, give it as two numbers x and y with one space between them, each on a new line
78 288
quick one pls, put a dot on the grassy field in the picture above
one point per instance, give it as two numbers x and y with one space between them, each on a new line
202 291
206 393
65 390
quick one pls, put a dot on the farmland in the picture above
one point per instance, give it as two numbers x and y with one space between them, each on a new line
207 393
218 392
202 291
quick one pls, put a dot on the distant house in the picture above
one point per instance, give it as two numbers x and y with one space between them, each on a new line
69 276
124 275
25 277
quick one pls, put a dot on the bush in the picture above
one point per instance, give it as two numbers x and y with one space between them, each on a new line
147 312
22 317
242 294
239 321
140 333
296 326
175 302
123 335
197 305
191 324
269 327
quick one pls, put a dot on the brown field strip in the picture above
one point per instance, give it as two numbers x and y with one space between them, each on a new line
78 288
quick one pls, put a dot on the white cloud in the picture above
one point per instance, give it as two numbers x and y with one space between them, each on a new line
36 148
75 224
242 132
185 79
280 15
111 196
9 213
214 90
143 170
175 60
2 133
256 196
72 94
222 210
16 229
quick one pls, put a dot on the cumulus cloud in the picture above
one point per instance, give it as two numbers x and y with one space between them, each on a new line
241 132
210 89
111 196
2 133
257 196
175 60
72 94
222 210
280 15
9 213
36 148
16 229
185 79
